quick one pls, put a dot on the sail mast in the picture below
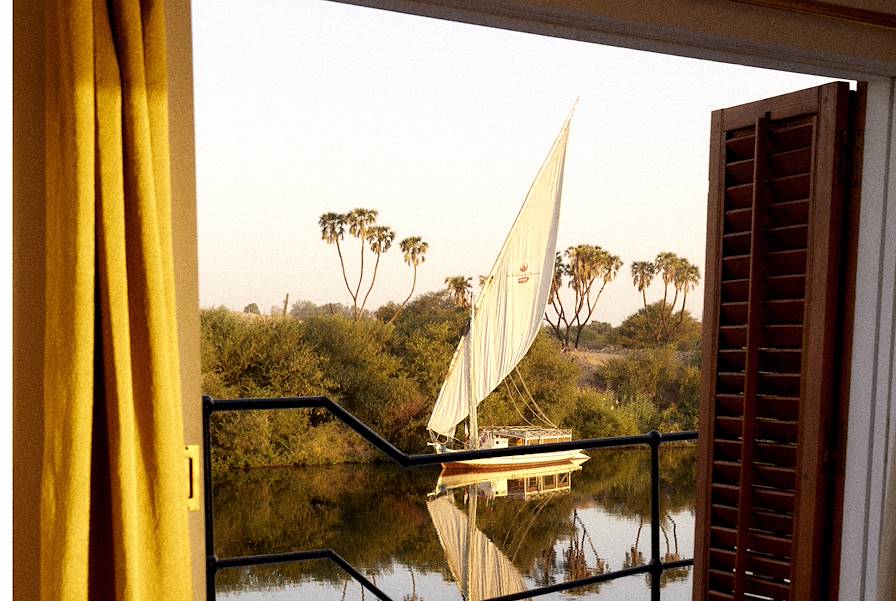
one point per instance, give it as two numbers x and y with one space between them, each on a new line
474 411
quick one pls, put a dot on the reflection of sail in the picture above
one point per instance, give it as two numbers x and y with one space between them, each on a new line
479 568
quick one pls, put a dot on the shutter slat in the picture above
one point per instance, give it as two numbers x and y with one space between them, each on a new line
792 137
740 172
737 243
787 237
776 453
784 311
727 449
735 290
767 587
731 359
741 148
738 220
771 522
786 262
773 545
739 197
792 162
735 313
730 405
791 192
736 267
785 286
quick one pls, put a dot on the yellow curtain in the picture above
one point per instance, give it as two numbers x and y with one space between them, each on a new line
114 521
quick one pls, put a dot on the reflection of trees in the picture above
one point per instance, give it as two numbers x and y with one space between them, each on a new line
413 595
674 574
633 557
376 515
369 515
575 563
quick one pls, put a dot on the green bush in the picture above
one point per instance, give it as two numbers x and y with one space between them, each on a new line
595 415
660 386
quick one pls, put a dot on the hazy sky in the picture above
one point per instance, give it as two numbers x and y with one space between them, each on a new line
305 107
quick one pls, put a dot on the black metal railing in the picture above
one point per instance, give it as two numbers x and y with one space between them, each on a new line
213 563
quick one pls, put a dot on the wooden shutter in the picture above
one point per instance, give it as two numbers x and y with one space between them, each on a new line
770 349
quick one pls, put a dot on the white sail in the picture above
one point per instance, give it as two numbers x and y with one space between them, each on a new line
477 565
510 308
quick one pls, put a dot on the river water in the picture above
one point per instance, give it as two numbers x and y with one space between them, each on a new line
396 527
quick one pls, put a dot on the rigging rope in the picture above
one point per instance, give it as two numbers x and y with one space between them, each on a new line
535 410
512 402
540 413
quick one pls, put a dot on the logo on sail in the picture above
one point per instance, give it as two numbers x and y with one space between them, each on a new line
523 269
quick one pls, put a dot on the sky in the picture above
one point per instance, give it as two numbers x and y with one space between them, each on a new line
305 107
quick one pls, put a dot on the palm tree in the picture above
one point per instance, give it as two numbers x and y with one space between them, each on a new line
667 265
677 272
686 279
587 265
414 249
380 238
643 273
359 222
332 230
459 286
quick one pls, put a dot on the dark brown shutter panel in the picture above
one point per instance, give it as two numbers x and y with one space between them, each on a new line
770 355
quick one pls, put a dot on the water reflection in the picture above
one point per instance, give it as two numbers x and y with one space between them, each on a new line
410 536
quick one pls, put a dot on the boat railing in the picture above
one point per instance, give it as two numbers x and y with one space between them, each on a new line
653 440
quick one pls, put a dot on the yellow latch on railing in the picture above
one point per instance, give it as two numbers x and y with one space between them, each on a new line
193 475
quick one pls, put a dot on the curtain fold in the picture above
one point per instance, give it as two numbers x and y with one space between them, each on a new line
114 521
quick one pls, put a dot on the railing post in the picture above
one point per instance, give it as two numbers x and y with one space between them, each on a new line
211 560
655 562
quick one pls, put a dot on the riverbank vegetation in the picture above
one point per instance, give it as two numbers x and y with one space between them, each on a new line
387 368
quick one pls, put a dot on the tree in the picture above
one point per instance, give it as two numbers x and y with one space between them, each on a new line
677 272
687 276
459 286
380 238
560 270
332 231
360 221
635 331
589 269
361 224
643 273
414 250
252 308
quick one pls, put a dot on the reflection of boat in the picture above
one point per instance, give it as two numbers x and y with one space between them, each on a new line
504 321
519 482
478 566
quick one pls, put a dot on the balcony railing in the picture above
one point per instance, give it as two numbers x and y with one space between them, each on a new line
214 563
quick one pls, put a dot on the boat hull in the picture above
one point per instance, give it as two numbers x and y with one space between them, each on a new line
535 459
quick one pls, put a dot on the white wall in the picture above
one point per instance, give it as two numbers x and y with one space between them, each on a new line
872 403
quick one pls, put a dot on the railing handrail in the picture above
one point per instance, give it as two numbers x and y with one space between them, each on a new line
209 406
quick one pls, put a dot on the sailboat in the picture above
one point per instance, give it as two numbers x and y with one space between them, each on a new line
504 320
